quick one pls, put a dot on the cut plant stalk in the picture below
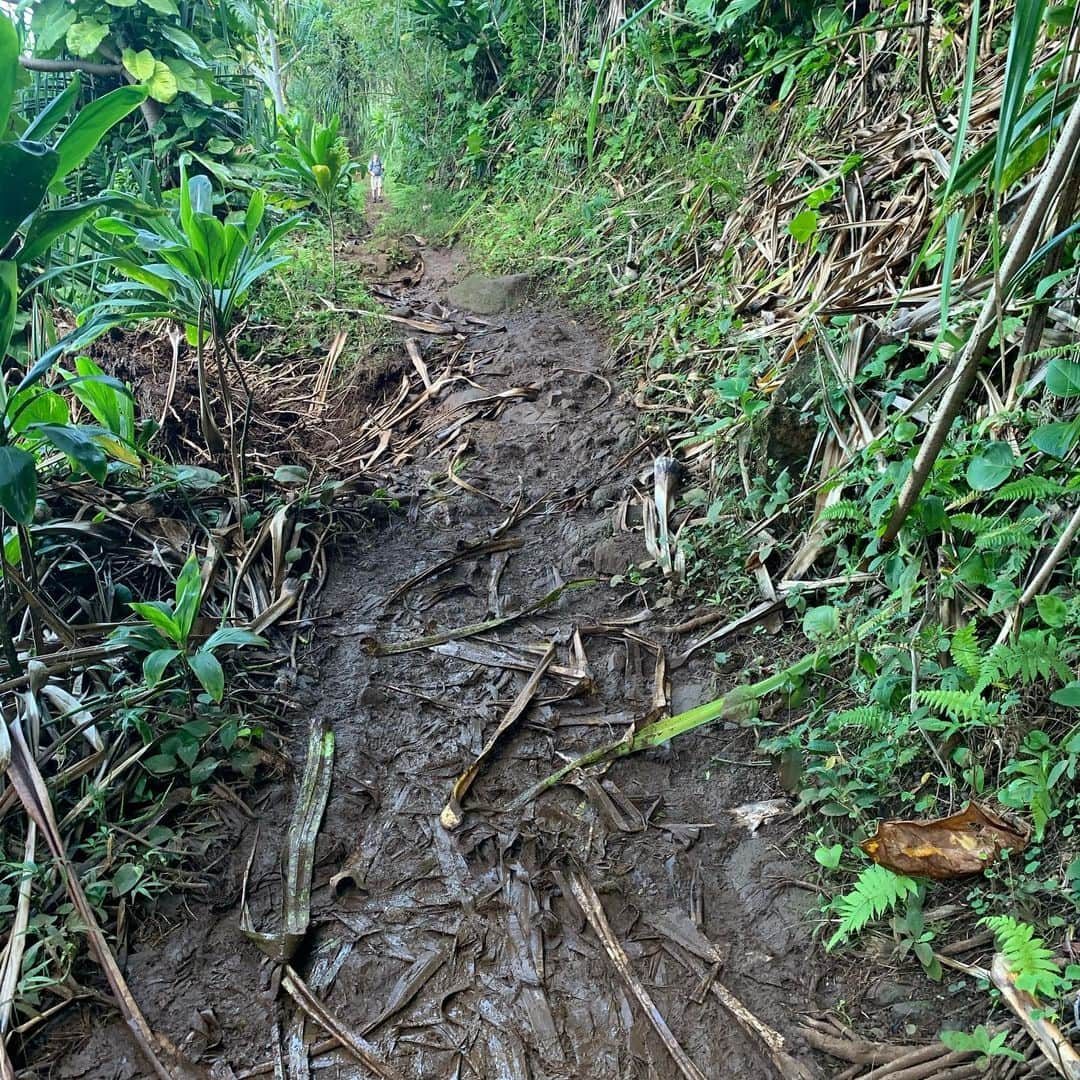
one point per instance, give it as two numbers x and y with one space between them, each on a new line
298 854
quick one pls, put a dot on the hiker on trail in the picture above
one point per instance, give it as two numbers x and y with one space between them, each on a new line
375 169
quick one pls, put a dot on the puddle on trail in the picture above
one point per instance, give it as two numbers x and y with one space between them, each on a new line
465 954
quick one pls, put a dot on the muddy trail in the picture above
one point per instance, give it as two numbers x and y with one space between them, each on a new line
614 926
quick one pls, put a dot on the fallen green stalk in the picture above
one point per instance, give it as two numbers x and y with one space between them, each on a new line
732 705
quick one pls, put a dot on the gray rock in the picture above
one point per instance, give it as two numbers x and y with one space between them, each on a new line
490 295
610 557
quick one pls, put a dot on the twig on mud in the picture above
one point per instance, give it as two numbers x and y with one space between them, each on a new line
590 904
377 648
701 956
486 547
452 814
354 1043
408 986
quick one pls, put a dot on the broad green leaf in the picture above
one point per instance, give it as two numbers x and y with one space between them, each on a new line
253 216
9 68
103 400
18 483
126 878
821 622
165 7
991 467
50 23
183 41
162 83
208 672
90 125
232 635
203 770
160 764
140 64
156 663
160 617
9 306
55 111
1068 695
84 37
188 751
829 857
36 406
1055 439
803 226
77 444
26 170
218 145
1052 610
1063 377
47 225
188 595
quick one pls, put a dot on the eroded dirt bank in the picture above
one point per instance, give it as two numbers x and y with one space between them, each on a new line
467 954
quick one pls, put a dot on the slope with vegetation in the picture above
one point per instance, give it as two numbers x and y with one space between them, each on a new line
838 248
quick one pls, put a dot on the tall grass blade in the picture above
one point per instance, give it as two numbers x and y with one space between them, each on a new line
601 74
1026 25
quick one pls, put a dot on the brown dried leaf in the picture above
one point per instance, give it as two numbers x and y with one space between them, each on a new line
944 847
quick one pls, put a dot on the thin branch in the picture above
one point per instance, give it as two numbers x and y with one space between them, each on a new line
34 63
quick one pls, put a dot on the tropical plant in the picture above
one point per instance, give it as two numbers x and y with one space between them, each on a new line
202 270
32 416
170 50
315 163
166 635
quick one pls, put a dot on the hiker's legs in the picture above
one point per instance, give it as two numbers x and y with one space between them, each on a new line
376 183
378 188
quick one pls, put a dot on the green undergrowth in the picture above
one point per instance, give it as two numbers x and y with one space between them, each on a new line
300 307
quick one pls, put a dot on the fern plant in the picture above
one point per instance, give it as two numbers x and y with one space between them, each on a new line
1032 964
877 892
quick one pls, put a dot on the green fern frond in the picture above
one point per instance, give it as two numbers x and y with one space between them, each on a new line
966 651
1069 351
967 705
870 717
974 523
1028 488
1031 962
876 892
1012 536
1036 654
964 500
844 510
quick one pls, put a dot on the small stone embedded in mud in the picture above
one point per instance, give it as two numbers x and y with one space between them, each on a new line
491 295
610 557
604 496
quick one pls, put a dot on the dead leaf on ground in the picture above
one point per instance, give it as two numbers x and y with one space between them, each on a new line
947 847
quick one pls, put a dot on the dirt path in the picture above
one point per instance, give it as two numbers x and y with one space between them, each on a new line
464 954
